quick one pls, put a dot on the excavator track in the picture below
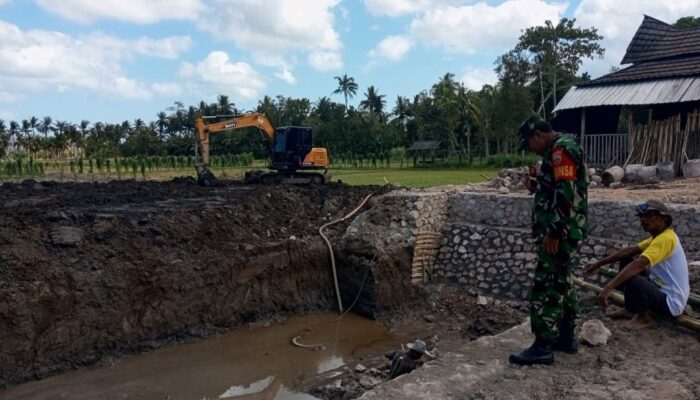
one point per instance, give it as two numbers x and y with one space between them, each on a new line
292 177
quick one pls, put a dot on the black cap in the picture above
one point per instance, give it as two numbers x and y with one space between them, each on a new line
528 127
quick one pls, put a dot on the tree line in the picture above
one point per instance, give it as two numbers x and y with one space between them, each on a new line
532 77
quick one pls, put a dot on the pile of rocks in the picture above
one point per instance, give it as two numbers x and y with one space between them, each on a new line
510 179
594 177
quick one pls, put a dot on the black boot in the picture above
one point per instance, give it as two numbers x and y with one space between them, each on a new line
539 353
566 341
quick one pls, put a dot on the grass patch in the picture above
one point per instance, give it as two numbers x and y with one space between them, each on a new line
412 177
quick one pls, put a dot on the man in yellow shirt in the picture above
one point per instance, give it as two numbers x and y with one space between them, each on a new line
666 290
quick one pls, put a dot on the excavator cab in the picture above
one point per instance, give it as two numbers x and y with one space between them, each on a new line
292 144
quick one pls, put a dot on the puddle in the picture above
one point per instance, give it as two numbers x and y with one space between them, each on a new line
247 363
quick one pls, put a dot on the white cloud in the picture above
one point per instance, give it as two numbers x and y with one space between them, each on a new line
286 76
3 2
476 78
395 8
280 27
325 60
167 88
217 71
465 29
136 11
39 60
618 20
391 48
6 97
128 88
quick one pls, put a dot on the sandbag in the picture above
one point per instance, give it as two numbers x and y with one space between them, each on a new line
631 170
648 174
691 168
666 170
613 174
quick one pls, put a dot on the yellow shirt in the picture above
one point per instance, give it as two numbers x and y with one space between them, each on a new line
668 268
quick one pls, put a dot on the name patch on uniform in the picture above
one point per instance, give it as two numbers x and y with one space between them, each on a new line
564 166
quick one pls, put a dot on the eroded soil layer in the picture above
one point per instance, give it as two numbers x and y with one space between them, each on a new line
95 270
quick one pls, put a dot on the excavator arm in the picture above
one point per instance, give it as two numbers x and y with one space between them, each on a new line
204 130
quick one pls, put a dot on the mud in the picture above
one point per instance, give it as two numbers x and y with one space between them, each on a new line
252 362
92 271
442 315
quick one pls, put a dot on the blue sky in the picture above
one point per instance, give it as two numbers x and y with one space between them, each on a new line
115 60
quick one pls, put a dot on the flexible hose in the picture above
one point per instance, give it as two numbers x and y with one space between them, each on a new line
330 248
362 285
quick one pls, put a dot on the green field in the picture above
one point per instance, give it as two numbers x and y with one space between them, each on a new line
412 177
395 175
409 177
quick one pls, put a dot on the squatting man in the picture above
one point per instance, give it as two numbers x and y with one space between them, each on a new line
665 292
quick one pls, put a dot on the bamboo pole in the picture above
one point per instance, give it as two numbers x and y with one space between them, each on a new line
693 299
683 320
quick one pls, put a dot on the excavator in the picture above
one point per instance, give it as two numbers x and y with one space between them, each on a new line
292 157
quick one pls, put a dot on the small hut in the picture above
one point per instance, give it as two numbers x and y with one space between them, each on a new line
425 150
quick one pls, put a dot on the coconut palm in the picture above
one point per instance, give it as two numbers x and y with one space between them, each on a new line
3 142
469 115
162 124
34 124
346 86
373 102
225 106
45 126
401 109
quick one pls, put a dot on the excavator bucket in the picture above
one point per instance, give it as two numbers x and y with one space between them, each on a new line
207 179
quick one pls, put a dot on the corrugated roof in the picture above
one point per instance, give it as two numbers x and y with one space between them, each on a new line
657 69
636 93
655 40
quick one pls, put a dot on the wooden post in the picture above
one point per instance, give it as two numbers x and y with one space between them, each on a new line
583 127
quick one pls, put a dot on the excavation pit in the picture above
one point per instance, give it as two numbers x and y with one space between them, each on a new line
104 273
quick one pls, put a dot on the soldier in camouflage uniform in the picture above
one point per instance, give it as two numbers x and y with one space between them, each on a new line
559 224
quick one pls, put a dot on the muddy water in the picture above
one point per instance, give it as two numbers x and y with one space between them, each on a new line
248 363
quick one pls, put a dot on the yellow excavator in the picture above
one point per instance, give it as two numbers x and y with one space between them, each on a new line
290 149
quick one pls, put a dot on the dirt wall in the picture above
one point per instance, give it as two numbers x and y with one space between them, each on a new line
95 271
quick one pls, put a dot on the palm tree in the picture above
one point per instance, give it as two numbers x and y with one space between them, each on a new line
138 124
346 86
469 115
225 106
26 126
373 102
3 146
14 130
446 87
322 108
84 124
45 126
162 123
34 123
402 109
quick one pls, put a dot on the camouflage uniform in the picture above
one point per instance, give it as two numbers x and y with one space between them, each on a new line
560 210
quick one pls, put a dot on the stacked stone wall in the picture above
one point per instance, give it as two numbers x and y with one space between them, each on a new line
487 245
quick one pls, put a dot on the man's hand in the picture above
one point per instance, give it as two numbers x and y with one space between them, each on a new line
531 184
551 245
603 298
591 268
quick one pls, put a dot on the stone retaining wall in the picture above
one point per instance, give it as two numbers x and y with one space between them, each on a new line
486 242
